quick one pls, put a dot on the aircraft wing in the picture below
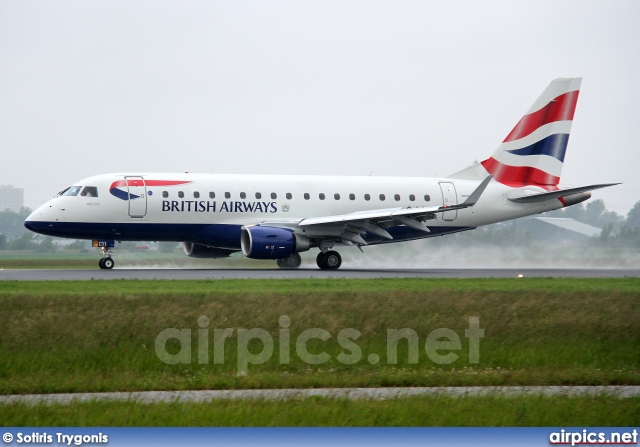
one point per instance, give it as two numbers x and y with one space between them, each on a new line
349 227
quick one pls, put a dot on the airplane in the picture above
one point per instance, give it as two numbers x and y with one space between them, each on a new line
277 217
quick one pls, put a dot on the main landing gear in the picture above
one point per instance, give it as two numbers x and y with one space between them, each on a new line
330 260
292 262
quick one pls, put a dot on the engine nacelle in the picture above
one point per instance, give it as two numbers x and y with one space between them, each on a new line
202 251
271 243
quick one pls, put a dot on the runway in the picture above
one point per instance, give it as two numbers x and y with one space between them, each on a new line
149 397
176 274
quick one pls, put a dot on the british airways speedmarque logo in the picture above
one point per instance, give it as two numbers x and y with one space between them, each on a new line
123 189
123 194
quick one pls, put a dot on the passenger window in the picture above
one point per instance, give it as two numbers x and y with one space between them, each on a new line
165 194
367 197
258 195
212 195
180 194
274 195
89 191
412 197
306 196
243 195
352 197
289 196
321 195
382 197
227 195
427 197
196 194
336 196
72 191
397 197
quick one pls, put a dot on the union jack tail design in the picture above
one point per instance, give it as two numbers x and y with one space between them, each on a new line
533 152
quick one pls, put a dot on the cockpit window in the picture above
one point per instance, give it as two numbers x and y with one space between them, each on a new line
71 191
89 191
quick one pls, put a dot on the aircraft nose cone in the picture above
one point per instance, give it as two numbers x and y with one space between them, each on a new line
36 220
34 225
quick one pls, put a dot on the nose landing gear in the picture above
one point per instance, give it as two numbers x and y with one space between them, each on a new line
106 263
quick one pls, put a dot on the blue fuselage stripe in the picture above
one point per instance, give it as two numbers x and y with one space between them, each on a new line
219 235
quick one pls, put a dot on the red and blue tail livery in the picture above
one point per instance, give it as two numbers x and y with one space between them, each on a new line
533 152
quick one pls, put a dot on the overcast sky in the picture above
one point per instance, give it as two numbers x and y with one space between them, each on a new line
409 88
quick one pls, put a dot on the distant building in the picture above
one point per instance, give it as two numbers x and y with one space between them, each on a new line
11 198
558 229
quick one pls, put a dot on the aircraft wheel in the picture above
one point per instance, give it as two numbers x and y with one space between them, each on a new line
292 262
332 260
101 263
107 263
320 261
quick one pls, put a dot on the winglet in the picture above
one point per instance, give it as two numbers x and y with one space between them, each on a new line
475 195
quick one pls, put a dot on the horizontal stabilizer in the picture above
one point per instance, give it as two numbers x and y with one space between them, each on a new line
541 197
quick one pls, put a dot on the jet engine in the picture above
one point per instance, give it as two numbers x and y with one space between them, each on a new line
271 243
202 251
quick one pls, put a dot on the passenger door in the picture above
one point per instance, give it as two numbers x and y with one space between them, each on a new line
137 191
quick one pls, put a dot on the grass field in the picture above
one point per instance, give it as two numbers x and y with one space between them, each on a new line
69 336
100 335
405 412
21 259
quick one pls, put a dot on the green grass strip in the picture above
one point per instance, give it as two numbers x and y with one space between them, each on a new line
73 336
405 412
300 286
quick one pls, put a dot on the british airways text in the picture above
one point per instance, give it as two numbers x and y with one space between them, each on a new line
207 206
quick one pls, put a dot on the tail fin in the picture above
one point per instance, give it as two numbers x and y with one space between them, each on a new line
533 152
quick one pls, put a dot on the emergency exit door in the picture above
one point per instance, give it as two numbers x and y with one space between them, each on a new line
449 198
